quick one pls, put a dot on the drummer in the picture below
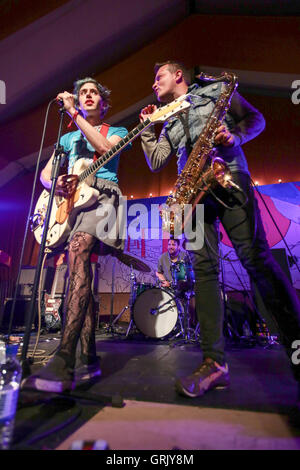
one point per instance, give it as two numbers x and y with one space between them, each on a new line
167 260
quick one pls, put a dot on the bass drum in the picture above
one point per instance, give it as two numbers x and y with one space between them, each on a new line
155 312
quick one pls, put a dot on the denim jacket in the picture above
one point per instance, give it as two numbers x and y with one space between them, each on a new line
179 134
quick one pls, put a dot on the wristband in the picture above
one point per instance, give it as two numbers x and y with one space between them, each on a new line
73 118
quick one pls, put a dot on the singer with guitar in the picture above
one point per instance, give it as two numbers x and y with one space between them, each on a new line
87 108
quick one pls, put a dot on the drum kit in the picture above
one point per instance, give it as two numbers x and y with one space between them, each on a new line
164 313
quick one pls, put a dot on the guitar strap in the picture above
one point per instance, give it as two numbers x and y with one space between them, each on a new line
103 130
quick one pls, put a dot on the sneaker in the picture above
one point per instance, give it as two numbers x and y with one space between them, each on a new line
209 375
87 370
56 377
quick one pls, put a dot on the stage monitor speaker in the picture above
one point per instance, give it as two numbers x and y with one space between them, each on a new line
21 314
27 279
279 255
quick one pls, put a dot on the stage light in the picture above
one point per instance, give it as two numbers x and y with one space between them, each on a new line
279 181
131 197
150 195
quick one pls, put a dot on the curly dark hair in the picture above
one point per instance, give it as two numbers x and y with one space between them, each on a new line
104 92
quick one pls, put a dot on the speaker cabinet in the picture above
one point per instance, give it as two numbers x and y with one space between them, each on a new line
280 256
61 272
27 279
63 279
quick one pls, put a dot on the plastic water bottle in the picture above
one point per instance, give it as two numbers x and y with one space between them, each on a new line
10 378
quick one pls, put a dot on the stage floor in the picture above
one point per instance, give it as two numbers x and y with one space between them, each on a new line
253 413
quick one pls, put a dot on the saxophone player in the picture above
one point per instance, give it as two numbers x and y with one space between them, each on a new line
241 220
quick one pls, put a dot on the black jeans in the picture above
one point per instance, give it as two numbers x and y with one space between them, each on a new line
245 230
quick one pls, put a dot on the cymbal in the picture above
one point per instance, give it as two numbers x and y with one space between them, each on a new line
130 260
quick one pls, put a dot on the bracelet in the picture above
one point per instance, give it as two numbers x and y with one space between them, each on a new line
73 118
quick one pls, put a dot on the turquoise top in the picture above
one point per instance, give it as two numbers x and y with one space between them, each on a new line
76 146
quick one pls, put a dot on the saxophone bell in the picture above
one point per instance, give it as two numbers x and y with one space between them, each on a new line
221 172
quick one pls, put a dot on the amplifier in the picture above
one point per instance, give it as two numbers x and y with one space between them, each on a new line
63 279
27 278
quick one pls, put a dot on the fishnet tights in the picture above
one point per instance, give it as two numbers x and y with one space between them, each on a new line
79 319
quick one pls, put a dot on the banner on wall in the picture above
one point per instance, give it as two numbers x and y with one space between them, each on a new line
279 205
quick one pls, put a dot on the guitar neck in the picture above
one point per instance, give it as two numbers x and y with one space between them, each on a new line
104 159
53 290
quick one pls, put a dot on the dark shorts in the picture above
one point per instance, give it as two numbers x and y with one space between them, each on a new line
103 220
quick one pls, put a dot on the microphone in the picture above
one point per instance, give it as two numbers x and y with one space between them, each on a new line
61 102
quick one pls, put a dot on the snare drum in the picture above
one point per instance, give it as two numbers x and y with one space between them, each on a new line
182 276
155 312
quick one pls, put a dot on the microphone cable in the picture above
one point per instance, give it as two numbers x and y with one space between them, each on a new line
29 217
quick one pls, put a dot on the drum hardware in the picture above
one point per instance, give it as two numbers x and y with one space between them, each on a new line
188 335
134 263
229 327
183 278
132 296
110 328
183 281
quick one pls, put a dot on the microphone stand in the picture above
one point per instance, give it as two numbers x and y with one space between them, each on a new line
58 156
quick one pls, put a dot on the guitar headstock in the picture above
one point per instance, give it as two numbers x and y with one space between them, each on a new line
171 109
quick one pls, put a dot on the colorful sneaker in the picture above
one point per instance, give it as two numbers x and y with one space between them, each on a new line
56 377
209 375
86 369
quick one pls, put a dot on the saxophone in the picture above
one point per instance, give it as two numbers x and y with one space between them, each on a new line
203 170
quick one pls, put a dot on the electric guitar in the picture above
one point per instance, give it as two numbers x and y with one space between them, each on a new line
65 210
52 305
